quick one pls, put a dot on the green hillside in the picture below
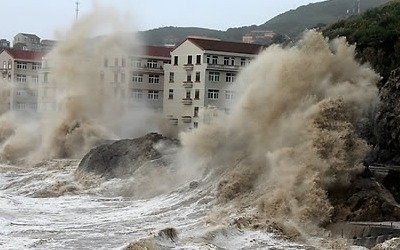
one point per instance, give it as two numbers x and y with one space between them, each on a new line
291 23
294 22
376 34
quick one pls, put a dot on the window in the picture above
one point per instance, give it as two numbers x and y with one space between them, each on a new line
137 94
9 64
35 79
152 64
175 60
116 62
229 94
242 61
4 65
226 60
195 124
197 76
188 78
197 94
137 78
171 94
198 59
171 76
21 65
20 93
232 61
122 77
213 94
189 60
187 94
208 59
123 62
213 76
115 76
21 78
105 62
36 66
154 78
214 60
136 63
230 77
152 95
20 106
196 112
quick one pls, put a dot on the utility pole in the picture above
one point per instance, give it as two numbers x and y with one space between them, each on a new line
358 6
77 9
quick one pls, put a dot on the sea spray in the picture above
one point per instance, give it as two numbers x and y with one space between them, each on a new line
89 109
291 139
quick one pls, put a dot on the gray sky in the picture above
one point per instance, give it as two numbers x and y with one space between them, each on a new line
44 17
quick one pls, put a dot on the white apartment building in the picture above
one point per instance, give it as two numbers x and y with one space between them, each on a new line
138 78
201 75
136 81
20 69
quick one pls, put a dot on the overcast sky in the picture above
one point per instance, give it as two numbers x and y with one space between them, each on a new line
44 17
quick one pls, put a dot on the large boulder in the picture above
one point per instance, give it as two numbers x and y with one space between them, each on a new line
120 159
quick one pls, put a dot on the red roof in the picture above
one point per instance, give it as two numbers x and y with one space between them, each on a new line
157 51
225 46
25 55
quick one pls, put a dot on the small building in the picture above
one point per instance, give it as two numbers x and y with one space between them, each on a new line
20 68
258 35
201 76
4 44
24 41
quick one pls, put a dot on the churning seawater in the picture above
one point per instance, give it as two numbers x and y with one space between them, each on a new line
44 208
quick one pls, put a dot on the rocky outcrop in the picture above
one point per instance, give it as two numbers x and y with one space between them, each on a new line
121 158
387 123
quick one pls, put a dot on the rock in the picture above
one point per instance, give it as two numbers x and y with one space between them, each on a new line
387 122
121 158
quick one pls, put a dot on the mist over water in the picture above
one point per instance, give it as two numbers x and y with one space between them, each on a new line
90 109
291 136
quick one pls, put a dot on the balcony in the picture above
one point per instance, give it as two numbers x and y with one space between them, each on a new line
188 84
223 67
188 67
187 101
186 119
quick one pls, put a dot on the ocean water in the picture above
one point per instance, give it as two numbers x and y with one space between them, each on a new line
45 208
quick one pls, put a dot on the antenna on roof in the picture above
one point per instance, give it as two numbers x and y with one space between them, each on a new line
77 9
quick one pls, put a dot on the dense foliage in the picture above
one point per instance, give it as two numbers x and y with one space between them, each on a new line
376 34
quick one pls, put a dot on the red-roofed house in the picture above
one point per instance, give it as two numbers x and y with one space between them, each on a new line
20 69
139 78
202 75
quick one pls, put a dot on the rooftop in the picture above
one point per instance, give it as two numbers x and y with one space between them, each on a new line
157 51
24 54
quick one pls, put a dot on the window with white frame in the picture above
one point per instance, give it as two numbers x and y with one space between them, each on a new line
136 63
152 95
213 76
154 78
137 94
137 78
21 78
214 60
213 94
230 77
229 94
20 93
20 106
35 79
171 94
21 65
171 76
242 61
152 64
36 66
226 60
198 76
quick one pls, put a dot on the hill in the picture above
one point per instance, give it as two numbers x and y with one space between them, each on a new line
290 23
376 34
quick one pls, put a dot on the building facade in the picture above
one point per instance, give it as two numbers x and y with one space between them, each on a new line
201 76
24 41
138 78
20 70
